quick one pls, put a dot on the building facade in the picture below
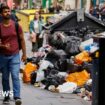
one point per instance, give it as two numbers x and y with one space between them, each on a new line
74 4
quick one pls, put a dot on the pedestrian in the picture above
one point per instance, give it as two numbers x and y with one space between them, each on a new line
102 12
9 54
35 29
13 15
13 12
51 8
95 11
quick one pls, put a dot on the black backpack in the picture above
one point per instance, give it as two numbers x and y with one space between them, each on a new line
17 27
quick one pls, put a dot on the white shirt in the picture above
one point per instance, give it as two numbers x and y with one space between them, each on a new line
36 26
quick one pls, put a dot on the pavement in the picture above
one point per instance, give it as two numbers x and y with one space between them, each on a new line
35 96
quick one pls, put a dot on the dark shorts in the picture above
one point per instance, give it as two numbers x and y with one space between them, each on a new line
37 45
34 47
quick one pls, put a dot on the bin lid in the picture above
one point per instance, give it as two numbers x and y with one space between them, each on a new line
70 22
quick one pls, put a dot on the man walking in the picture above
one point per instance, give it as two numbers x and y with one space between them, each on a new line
9 54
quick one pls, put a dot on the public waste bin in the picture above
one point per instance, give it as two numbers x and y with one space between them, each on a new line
95 81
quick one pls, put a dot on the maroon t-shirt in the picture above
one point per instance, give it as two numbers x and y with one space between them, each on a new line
8 35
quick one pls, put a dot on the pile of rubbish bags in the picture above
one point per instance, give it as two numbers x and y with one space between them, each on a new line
64 63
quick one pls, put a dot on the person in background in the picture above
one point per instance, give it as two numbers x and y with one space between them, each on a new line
58 8
41 11
9 54
51 8
35 29
95 11
102 12
13 12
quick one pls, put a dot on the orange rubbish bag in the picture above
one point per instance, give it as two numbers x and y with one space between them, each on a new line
82 57
29 68
80 78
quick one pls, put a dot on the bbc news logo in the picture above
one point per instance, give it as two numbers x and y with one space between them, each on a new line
6 93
